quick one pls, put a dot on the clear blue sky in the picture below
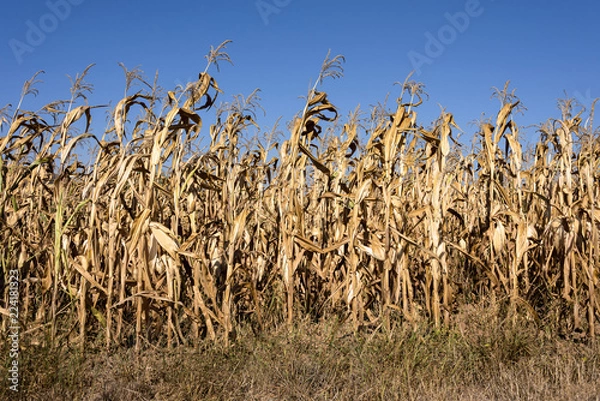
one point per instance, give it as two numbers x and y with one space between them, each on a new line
543 47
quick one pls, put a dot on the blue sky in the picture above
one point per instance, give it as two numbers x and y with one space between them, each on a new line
543 47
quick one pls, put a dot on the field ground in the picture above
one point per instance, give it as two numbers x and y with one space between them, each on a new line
480 360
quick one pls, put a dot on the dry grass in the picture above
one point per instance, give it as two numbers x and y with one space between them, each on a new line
374 220
326 361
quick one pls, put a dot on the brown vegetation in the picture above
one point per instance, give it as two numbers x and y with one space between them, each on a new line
157 243
328 361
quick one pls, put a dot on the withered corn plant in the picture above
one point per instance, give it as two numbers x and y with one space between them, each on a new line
174 230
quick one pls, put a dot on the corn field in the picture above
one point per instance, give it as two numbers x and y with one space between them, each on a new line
374 219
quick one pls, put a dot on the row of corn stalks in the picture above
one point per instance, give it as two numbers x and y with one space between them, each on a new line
375 219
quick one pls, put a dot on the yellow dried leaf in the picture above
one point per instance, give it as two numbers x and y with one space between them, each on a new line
165 237
522 242
374 248
81 265
75 115
239 225
499 237
362 192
